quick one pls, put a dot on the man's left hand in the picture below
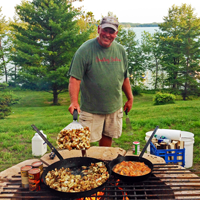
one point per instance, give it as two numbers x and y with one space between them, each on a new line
128 105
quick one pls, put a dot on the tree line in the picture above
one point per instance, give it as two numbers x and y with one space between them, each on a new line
172 54
128 24
41 40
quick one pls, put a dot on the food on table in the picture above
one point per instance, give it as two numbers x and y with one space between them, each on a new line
63 179
130 168
74 139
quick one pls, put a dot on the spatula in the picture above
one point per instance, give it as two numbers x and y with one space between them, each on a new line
75 124
128 122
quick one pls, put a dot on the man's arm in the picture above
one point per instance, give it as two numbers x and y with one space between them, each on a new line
74 88
126 87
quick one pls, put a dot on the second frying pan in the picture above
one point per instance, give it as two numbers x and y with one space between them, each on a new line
134 159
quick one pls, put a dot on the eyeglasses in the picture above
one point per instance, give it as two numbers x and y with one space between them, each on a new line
108 30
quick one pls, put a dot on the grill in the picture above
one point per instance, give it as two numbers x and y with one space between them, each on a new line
167 182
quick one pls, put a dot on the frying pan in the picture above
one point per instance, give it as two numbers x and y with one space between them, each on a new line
75 164
139 158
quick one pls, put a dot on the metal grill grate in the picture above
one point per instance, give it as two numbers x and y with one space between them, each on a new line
166 182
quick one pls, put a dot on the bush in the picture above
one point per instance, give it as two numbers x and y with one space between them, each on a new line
149 91
136 90
6 101
163 98
3 86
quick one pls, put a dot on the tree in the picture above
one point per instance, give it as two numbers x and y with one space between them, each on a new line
46 43
150 45
12 71
4 46
126 37
87 21
180 47
7 99
190 28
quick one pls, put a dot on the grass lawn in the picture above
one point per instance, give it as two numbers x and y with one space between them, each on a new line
35 108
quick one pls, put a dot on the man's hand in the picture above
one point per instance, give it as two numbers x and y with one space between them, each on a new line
128 92
128 105
72 107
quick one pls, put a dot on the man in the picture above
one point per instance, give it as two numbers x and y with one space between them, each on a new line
99 69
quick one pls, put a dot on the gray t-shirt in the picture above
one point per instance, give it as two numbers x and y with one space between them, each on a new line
102 72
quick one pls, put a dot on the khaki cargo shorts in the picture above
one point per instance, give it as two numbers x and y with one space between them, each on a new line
109 124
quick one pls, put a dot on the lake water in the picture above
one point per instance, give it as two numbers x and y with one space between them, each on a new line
138 31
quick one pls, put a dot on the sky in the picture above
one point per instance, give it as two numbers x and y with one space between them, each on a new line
140 11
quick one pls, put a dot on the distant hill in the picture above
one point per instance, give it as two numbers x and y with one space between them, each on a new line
128 24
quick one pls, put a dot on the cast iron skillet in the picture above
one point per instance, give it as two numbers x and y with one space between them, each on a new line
75 164
135 159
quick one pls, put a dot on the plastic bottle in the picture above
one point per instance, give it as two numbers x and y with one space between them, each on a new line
39 146
167 141
157 136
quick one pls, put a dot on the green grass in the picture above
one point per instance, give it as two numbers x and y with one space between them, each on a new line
36 108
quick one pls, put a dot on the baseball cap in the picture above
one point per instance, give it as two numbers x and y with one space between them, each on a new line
109 22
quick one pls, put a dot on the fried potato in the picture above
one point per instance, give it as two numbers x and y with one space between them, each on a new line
74 139
63 180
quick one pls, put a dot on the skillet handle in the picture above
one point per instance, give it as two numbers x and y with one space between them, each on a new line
146 145
47 141
120 156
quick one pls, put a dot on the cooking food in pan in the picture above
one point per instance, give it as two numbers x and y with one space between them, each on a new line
130 168
74 139
90 177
